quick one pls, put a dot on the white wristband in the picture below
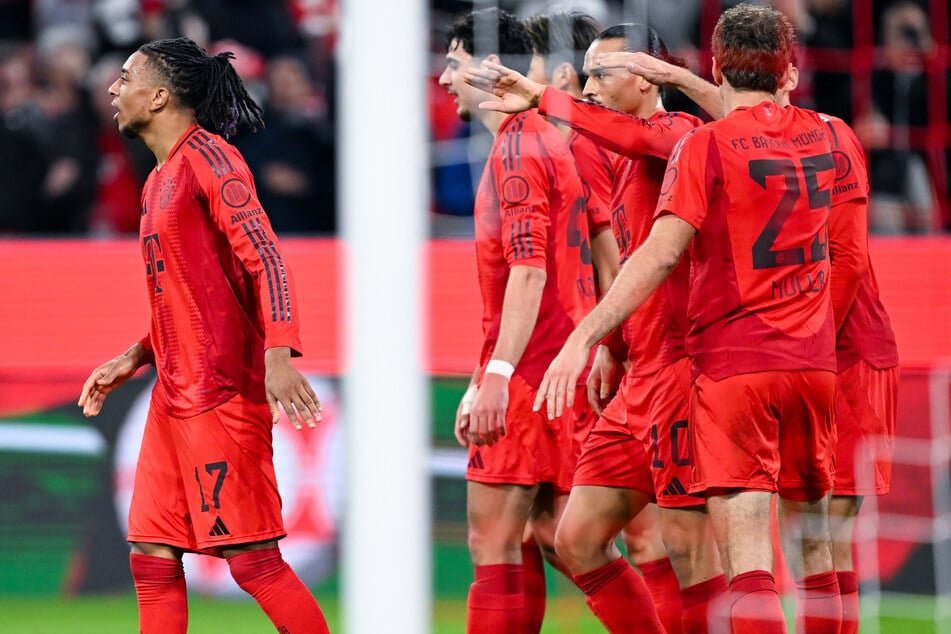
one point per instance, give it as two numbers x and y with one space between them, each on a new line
498 366
468 399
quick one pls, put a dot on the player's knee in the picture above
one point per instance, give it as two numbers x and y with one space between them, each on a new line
576 546
250 566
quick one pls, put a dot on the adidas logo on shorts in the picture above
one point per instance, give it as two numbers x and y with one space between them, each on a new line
218 529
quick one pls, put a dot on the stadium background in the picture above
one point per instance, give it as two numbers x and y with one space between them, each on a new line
68 303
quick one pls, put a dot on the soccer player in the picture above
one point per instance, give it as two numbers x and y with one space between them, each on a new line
559 41
749 195
866 351
530 226
637 451
224 328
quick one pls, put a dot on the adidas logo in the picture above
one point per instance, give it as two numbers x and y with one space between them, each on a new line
218 529
675 488
475 462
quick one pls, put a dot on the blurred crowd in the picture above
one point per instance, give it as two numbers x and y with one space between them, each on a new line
65 169
882 65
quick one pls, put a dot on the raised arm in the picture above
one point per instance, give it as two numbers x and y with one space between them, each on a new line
657 71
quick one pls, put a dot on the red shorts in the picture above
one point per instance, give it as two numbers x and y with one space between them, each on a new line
533 448
206 482
584 420
866 410
641 440
766 431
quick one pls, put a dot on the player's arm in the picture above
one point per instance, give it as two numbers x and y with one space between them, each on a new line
641 274
616 131
111 374
661 73
848 221
523 297
234 206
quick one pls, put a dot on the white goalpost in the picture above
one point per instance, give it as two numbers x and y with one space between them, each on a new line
386 537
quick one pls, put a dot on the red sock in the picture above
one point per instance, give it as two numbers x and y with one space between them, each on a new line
754 604
284 598
160 590
496 602
618 596
534 569
818 606
665 592
849 590
697 601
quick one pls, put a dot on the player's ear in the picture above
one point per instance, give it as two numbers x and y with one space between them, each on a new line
717 73
563 76
160 97
492 57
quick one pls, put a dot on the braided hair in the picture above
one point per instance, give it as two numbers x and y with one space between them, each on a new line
208 84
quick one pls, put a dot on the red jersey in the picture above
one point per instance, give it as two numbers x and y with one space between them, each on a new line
865 331
596 169
529 211
757 186
219 290
654 333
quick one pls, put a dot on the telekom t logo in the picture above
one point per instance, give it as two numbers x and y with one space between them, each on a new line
154 263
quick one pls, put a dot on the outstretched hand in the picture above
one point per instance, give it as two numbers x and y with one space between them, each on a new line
515 92
108 377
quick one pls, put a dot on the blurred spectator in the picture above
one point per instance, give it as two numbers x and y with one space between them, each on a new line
902 197
264 25
293 157
826 27
900 89
69 187
16 20
22 164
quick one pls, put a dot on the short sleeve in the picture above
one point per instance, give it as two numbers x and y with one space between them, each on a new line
685 191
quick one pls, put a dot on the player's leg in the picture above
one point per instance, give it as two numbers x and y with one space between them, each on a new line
497 516
740 521
645 549
538 547
260 570
226 457
693 557
807 444
866 408
691 565
159 580
158 511
585 542
843 512
736 461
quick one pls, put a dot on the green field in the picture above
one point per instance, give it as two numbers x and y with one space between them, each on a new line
117 615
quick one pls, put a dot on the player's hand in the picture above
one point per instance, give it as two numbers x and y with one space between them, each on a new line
104 380
285 385
462 415
515 92
656 71
558 385
487 418
603 381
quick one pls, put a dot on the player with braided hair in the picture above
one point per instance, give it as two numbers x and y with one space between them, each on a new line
224 328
